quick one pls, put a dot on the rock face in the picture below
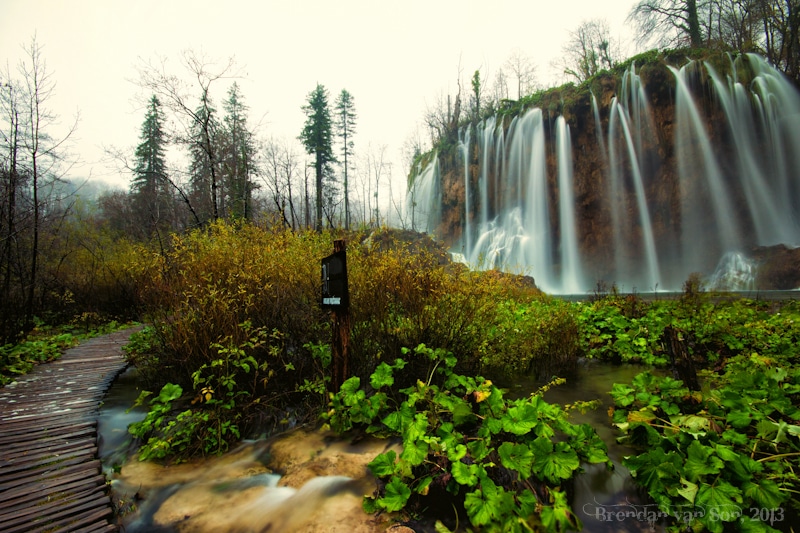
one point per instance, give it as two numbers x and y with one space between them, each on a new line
663 183
778 269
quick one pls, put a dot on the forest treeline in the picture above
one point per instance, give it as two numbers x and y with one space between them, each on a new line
62 254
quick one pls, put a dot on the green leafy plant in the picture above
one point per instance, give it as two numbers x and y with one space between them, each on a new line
220 388
163 434
727 455
503 463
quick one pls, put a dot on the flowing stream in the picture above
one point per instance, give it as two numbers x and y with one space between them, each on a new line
309 481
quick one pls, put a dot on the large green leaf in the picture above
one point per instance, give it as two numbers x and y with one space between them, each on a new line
396 495
688 490
400 419
559 516
465 474
518 457
382 377
722 499
701 461
383 464
414 451
765 493
655 470
520 419
554 462
169 392
478 508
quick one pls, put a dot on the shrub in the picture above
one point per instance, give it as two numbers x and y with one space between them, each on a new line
532 337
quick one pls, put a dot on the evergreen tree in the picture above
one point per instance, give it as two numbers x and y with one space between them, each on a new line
203 184
237 156
317 139
151 194
345 129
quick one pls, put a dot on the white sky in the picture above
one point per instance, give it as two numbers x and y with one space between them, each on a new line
396 58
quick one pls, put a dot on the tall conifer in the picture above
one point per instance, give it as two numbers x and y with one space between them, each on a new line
345 129
150 190
317 139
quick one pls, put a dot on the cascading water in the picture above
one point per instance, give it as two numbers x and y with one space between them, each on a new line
464 147
660 197
424 199
571 277
517 237
702 184
620 126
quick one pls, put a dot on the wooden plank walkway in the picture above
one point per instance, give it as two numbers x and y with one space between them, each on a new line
50 477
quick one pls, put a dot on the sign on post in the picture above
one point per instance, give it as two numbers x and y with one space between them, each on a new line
334 281
335 296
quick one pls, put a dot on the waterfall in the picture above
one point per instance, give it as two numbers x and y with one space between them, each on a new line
423 204
463 148
571 278
658 198
620 120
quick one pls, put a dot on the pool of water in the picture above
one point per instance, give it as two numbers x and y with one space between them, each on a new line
606 500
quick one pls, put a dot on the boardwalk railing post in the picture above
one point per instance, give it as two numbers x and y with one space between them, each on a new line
335 296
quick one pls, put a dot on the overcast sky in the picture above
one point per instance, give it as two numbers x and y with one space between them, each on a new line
396 58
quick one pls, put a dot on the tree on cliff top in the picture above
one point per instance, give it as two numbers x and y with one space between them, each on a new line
668 22
589 50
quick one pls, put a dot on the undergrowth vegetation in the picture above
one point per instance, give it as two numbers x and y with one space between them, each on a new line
238 346
235 322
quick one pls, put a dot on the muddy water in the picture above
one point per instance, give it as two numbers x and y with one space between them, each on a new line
309 481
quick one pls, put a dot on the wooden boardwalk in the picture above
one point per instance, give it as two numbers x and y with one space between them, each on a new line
50 477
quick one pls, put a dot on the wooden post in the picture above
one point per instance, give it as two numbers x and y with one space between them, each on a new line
341 334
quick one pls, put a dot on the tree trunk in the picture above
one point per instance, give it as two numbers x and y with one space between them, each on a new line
693 21
318 221
682 364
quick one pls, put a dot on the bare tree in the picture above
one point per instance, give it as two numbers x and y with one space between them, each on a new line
589 50
781 35
34 163
196 118
523 70
499 88
377 169
281 169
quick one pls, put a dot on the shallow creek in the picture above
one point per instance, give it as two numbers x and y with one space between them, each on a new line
309 481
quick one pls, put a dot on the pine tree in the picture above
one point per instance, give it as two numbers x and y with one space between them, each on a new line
150 191
317 139
203 185
345 129
237 157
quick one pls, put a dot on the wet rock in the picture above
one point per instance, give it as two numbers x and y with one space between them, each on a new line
779 267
